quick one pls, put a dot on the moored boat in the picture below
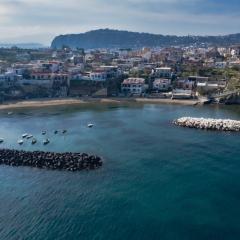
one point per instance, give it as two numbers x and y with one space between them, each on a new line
34 141
1 140
20 141
46 141
90 125
29 136
24 135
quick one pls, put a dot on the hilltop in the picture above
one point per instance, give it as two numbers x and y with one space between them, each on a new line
107 38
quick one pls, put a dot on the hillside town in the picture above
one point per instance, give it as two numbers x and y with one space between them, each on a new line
208 73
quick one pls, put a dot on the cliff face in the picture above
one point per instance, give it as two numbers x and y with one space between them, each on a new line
106 38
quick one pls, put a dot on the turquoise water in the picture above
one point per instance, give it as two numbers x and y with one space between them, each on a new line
158 181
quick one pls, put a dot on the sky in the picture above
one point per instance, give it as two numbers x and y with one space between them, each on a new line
41 20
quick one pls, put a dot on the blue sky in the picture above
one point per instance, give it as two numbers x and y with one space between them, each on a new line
41 20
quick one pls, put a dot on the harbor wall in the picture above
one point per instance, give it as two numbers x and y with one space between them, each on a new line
209 124
50 160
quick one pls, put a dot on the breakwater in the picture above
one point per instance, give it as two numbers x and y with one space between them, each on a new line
209 124
50 160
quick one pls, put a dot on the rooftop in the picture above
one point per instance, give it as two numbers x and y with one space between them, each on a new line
161 80
134 81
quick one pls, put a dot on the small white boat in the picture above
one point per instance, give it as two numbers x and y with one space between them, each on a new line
29 136
34 141
90 125
24 135
46 141
20 141
10 113
1 140
44 132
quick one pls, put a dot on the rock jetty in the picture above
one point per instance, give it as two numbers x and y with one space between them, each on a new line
50 160
209 124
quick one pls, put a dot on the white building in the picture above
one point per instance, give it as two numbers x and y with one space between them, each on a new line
98 76
163 72
48 80
111 71
48 66
9 79
185 84
211 86
182 94
162 84
134 86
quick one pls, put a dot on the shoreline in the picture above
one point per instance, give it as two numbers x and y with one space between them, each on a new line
38 103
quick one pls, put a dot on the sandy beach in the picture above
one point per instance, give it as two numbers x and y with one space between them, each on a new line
39 103
74 101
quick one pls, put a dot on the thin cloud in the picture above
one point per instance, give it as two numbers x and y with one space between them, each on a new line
41 20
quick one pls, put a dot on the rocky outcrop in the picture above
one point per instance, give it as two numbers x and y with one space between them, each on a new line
209 124
50 160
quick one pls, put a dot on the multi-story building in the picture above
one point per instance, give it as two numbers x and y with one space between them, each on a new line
98 76
55 81
161 84
48 66
185 84
163 72
9 79
134 86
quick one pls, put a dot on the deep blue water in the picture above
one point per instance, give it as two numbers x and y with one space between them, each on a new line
158 181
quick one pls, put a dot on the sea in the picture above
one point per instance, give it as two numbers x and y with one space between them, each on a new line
158 181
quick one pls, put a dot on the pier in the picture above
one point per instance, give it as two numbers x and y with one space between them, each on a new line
209 124
50 160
